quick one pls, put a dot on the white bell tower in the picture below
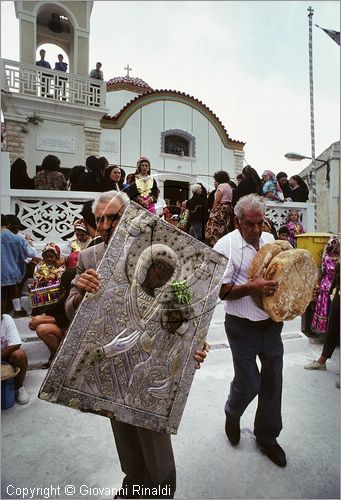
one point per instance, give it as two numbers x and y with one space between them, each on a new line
66 24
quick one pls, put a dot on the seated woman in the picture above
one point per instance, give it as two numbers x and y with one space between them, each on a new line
50 176
113 178
144 189
19 178
52 325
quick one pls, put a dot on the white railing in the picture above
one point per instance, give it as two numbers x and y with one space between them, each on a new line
49 215
35 81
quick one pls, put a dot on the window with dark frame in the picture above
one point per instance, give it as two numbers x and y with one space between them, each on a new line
178 142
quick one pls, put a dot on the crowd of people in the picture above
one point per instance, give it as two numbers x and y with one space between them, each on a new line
206 216
58 91
232 216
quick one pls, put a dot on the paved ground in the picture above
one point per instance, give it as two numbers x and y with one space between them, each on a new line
52 447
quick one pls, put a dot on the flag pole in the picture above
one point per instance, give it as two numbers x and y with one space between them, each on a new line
312 123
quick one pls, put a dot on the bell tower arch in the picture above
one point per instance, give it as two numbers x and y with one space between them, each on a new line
66 24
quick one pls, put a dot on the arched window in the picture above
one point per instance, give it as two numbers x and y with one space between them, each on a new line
178 142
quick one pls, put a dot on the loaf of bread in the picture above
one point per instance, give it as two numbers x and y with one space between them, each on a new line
262 260
297 274
264 256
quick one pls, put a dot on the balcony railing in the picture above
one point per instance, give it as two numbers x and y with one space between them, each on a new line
35 81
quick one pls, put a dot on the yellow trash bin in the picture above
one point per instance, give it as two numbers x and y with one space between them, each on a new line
315 243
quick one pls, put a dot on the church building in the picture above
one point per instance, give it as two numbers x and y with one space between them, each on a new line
121 119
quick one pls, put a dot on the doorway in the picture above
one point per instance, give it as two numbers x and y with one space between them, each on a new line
175 190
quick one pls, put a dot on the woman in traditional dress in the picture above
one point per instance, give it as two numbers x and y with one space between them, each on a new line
222 210
144 190
330 257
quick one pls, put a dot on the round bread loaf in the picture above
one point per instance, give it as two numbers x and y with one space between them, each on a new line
262 260
297 274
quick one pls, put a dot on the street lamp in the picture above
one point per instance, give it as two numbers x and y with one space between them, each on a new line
299 157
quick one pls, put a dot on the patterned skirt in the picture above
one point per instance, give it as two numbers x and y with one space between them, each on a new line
218 223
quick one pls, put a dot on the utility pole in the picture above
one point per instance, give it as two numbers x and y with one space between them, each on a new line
312 122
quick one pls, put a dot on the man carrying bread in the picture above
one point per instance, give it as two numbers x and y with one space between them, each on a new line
251 332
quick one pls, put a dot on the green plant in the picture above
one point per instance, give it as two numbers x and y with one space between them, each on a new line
35 119
23 129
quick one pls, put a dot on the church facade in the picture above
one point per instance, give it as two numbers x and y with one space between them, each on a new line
183 139
121 119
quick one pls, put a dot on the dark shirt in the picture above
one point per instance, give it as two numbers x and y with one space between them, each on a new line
286 190
60 66
23 184
109 185
89 181
246 186
197 207
43 63
298 194
210 199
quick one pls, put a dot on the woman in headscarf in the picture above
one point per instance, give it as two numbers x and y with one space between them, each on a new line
250 183
19 178
299 189
271 188
144 189
113 178
330 258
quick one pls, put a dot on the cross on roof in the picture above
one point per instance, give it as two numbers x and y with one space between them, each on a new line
128 69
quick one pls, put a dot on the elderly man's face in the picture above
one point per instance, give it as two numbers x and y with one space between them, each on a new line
107 216
251 226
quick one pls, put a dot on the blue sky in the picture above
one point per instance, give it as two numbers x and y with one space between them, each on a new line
247 61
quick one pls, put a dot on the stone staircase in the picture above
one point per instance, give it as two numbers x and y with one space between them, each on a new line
37 352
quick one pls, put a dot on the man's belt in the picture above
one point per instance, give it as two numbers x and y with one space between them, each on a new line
253 324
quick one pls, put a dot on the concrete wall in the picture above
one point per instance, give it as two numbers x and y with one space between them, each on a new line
327 188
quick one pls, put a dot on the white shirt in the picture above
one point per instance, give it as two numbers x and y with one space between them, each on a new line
240 255
9 332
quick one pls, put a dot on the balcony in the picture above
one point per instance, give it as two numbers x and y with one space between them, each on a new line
33 81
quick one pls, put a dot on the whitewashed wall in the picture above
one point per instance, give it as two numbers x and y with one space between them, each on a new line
141 135
58 131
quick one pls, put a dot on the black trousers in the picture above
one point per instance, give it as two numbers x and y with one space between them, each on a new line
146 458
333 331
249 340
